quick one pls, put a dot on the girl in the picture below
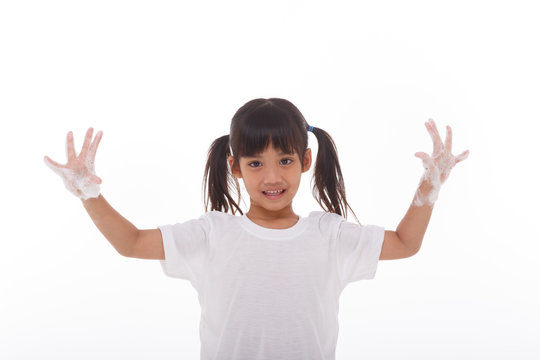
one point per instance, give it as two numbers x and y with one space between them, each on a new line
268 280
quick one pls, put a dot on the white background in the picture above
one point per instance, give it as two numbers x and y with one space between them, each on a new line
162 79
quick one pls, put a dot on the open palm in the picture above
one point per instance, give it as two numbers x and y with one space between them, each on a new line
78 173
438 165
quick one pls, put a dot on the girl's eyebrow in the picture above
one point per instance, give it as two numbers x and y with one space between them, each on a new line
281 153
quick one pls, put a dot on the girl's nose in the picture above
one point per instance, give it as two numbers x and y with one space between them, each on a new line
272 174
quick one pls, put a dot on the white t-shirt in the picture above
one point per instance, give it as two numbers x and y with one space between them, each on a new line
270 294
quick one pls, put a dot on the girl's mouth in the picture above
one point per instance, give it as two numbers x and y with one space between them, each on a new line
273 194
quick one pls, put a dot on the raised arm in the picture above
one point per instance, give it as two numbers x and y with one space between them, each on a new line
407 238
121 233
80 179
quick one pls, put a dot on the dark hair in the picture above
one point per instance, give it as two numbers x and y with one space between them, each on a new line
253 127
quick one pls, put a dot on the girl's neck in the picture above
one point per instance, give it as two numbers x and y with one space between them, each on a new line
281 219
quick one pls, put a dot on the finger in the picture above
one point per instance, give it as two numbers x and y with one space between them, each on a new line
70 148
462 156
53 165
448 141
94 146
86 143
426 159
51 162
437 142
422 155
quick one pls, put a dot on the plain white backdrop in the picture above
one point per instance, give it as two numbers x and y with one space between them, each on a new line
162 79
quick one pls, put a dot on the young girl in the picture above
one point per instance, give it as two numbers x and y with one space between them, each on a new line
268 280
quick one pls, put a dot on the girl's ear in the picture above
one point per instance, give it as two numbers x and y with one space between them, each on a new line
307 160
235 170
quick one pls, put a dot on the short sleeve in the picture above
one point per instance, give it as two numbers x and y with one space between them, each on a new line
186 248
358 251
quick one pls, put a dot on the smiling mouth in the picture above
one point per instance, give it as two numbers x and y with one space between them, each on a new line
273 193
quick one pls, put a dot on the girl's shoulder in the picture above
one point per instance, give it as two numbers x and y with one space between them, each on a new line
328 221
216 217
325 217
212 221
325 221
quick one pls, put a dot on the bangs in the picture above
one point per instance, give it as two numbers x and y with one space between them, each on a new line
268 125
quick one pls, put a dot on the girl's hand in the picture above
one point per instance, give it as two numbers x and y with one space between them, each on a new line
438 165
78 174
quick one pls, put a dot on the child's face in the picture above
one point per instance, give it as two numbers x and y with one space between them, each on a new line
271 178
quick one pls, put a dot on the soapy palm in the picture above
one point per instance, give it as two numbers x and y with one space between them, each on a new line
439 164
78 173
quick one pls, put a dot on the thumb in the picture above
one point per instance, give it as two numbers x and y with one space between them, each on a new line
422 155
53 165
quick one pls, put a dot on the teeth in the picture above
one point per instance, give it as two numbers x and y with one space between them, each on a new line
275 192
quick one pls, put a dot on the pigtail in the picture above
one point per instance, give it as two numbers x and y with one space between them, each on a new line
218 178
329 187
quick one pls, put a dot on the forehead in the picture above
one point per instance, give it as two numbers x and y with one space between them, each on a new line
272 151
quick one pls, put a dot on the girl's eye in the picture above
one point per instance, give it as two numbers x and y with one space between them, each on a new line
254 164
286 161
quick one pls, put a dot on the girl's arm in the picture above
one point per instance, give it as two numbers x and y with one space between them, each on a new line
407 238
413 226
118 230
123 235
80 179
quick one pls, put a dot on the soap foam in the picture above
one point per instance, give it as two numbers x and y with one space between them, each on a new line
78 174
438 165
